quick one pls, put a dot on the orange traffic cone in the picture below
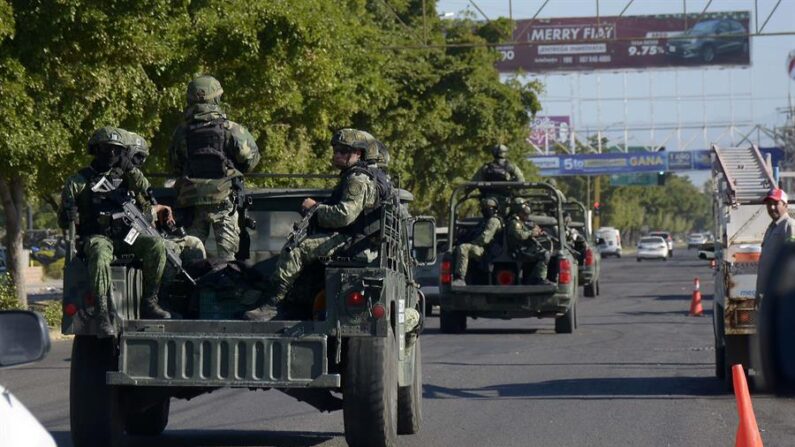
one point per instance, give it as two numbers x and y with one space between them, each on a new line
747 430
695 303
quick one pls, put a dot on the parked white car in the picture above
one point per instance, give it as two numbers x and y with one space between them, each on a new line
652 247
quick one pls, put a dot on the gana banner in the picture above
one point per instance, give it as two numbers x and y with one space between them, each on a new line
609 43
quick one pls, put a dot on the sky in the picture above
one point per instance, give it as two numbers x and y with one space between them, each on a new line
661 103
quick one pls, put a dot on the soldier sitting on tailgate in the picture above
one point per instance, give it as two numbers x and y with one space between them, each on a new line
87 201
190 249
338 222
479 239
524 245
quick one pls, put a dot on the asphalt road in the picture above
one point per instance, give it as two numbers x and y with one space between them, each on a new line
638 372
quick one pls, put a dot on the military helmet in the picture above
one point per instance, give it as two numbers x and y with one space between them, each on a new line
383 156
137 148
353 138
519 205
499 151
489 202
106 135
204 89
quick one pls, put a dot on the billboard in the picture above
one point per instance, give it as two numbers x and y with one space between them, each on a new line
615 163
625 42
546 130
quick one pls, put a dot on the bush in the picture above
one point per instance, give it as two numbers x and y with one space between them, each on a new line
53 313
8 294
55 270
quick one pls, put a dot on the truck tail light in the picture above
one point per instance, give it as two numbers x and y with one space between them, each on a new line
379 311
356 299
70 310
588 257
506 278
446 272
564 274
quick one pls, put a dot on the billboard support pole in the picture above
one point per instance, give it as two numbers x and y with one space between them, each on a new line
731 106
769 16
684 10
678 110
626 130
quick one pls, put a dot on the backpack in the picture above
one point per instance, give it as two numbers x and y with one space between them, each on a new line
206 155
496 172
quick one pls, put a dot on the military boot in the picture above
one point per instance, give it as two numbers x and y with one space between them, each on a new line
269 307
105 327
151 310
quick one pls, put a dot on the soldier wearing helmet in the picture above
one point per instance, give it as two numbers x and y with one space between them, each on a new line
190 249
210 154
499 169
478 240
88 201
522 236
340 220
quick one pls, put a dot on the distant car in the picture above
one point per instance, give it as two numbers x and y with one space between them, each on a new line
706 251
708 39
695 240
608 242
24 338
669 241
652 247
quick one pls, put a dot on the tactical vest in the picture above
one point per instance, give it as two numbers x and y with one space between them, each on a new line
205 144
496 172
382 182
97 207
367 217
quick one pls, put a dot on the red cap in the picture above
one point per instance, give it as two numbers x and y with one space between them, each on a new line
776 194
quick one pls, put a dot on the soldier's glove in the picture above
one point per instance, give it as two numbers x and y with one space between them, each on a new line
72 215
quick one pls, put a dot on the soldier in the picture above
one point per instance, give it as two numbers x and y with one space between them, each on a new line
340 220
87 201
499 169
522 234
189 248
483 236
210 154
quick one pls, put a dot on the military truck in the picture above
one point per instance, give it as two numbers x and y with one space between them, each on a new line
356 331
497 285
583 245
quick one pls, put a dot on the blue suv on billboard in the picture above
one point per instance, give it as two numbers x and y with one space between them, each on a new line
708 39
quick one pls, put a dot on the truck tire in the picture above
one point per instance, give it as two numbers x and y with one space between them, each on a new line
590 290
370 391
720 347
150 421
452 322
736 351
428 308
410 398
95 414
565 324
598 289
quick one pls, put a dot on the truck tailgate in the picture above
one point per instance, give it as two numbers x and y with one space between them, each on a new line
223 354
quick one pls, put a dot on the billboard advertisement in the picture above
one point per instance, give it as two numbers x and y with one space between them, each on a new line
546 130
627 42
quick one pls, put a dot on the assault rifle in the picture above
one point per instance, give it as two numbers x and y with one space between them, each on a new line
301 229
138 224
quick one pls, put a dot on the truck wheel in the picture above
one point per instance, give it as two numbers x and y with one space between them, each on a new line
410 398
566 323
736 351
149 422
95 415
370 392
428 308
452 322
598 289
590 290
720 361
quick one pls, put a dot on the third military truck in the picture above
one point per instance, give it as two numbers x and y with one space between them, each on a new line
351 340
498 285
583 246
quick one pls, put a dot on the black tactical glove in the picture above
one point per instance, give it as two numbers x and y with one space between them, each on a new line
72 215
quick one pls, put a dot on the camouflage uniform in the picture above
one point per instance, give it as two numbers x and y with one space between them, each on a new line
499 169
522 244
209 200
477 247
190 249
338 221
94 228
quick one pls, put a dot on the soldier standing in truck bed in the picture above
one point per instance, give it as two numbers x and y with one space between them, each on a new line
210 154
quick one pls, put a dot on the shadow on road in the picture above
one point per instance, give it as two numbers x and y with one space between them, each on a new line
596 388
220 438
683 312
487 331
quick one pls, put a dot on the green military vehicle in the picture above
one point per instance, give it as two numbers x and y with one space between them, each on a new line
357 321
497 285
581 241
